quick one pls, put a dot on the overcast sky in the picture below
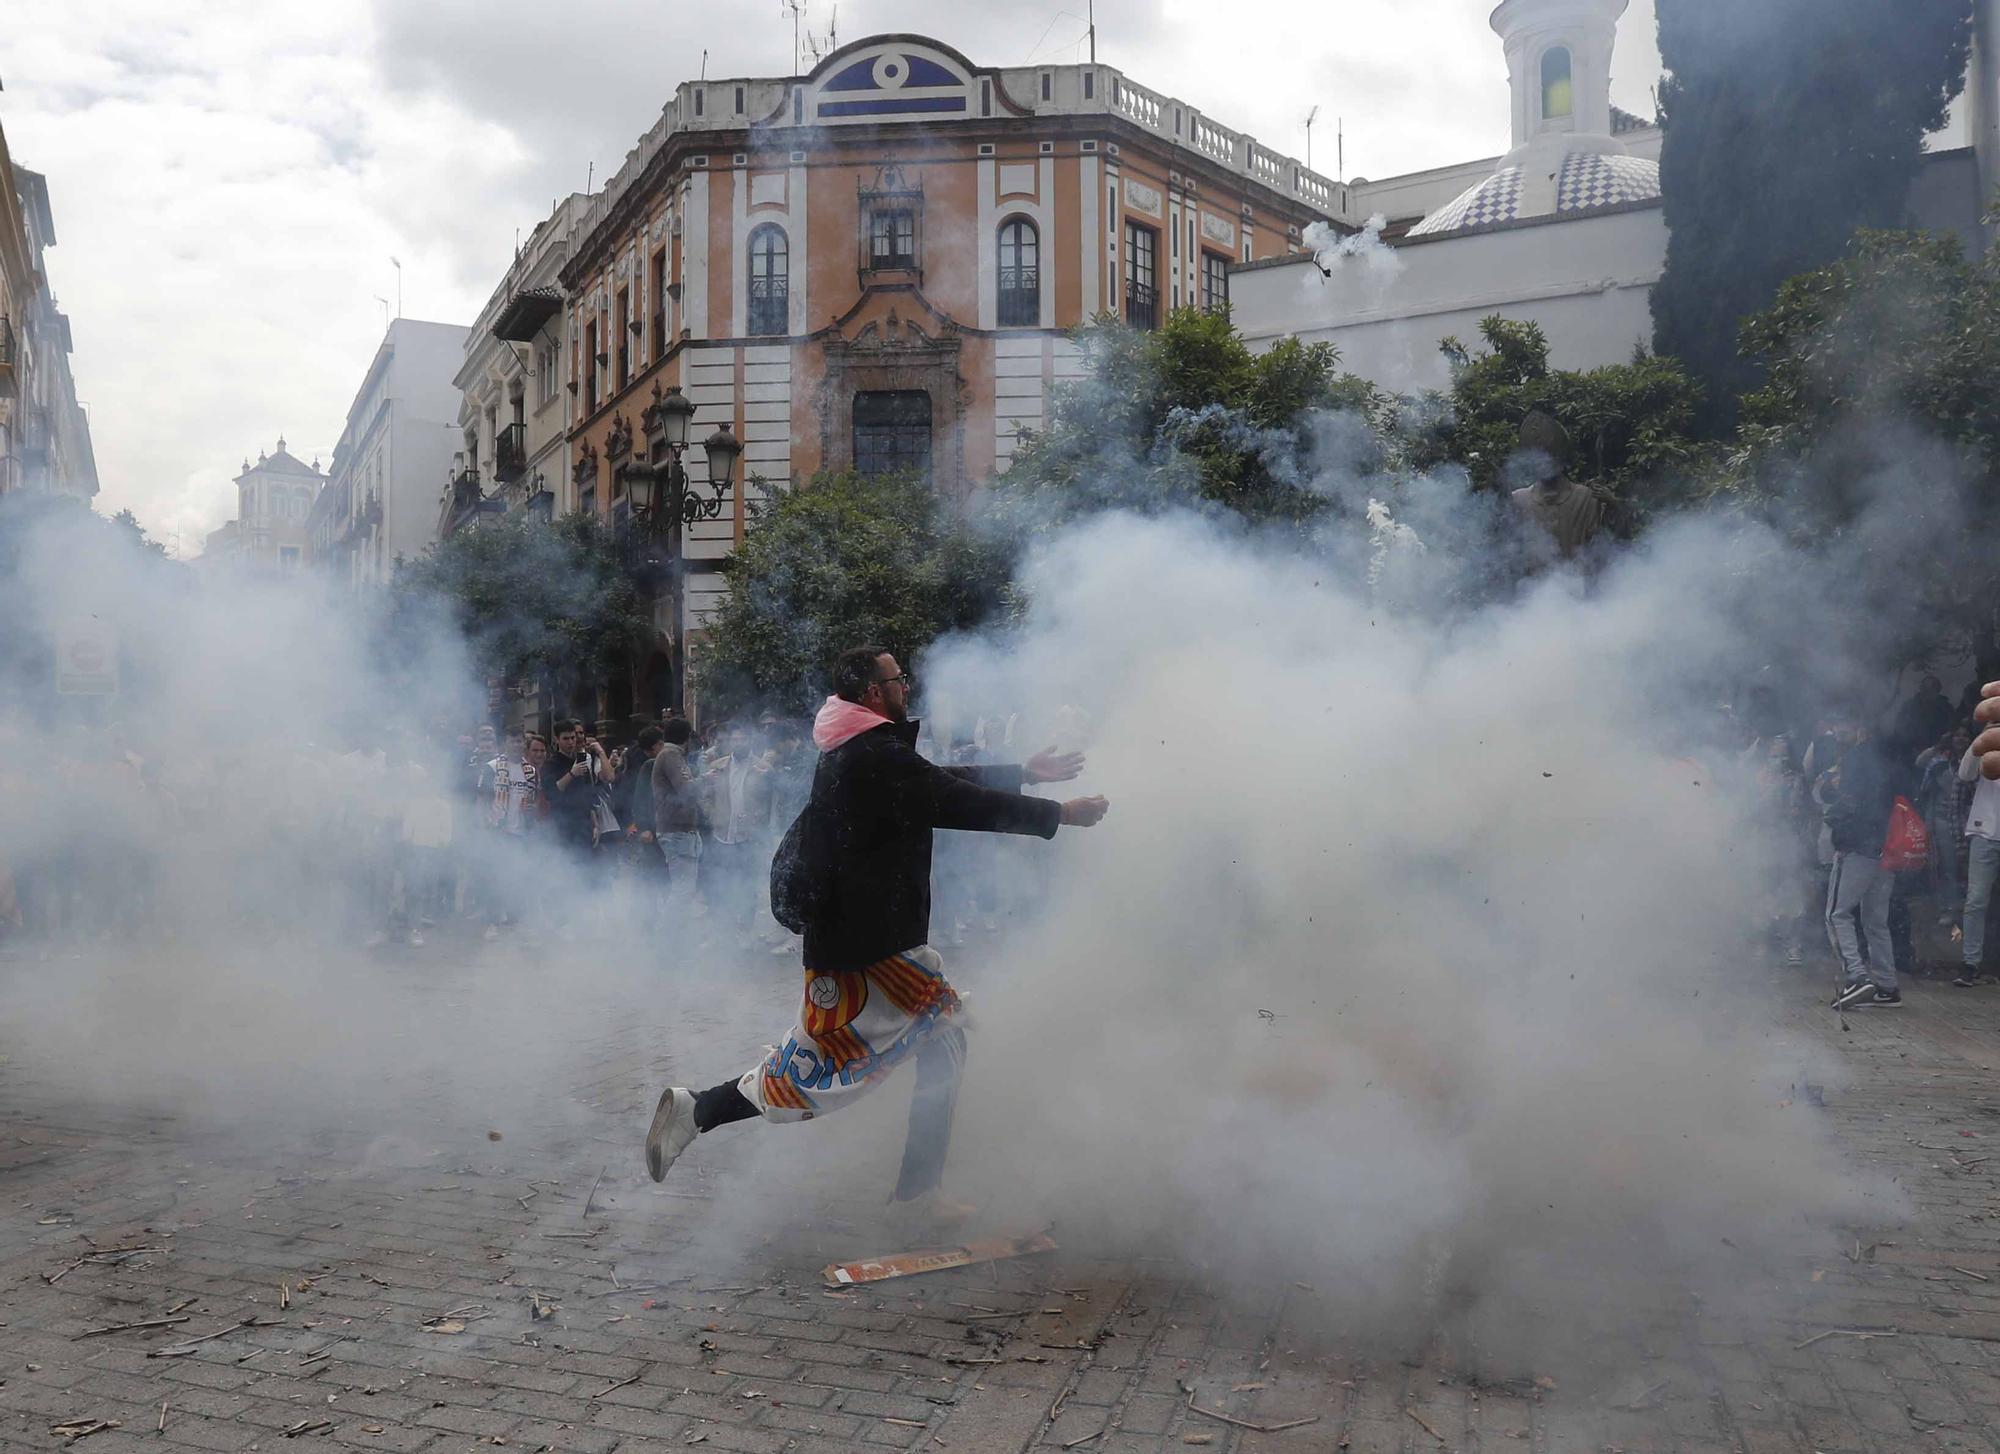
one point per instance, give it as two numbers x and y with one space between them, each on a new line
230 178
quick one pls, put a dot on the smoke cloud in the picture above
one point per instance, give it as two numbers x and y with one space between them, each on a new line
1416 962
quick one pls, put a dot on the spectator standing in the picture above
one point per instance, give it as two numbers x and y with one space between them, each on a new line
1924 718
1859 796
677 819
633 796
1945 799
1982 864
576 772
739 792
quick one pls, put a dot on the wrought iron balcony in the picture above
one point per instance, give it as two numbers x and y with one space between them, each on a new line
510 453
770 307
1020 297
7 352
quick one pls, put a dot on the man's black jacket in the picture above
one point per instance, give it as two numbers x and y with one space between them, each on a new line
878 801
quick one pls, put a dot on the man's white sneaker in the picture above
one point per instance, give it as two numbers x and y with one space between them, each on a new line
672 1132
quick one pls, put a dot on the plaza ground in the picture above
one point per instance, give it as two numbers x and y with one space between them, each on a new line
393 1283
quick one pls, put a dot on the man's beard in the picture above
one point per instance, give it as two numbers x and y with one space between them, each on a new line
896 713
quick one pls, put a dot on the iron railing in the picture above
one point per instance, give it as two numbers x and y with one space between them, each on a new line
1020 297
770 307
510 453
1142 305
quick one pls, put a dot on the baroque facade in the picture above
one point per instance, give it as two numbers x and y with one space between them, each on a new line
274 498
872 266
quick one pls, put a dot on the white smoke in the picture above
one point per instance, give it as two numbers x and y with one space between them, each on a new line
1414 962
1332 248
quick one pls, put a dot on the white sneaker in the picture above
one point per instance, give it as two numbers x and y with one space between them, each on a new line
672 1132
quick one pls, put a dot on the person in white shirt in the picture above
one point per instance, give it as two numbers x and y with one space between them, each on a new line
1982 863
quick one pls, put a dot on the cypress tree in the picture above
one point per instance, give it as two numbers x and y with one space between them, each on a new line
1789 124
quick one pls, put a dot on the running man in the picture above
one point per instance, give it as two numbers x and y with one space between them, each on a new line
875 991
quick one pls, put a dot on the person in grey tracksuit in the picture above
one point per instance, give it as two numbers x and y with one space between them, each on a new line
1859 800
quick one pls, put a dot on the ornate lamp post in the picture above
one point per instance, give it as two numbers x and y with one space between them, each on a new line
665 501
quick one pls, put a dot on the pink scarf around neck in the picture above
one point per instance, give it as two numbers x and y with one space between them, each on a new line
841 721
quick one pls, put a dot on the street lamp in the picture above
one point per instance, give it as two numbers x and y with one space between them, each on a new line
664 501
661 491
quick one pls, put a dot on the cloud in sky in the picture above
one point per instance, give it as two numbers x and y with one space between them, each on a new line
231 177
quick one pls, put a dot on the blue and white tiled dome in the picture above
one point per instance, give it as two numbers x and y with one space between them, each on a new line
1605 179
1586 181
1497 199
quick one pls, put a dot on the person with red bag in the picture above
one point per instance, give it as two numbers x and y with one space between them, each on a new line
1861 799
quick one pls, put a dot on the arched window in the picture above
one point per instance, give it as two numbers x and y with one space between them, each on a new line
1558 97
770 281
1020 274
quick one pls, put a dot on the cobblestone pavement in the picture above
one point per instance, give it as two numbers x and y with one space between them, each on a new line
536 1292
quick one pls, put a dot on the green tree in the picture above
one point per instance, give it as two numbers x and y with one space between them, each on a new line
846 560
1789 123
530 599
1875 440
1630 425
128 524
1183 415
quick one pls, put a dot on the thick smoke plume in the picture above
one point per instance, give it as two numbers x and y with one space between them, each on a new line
1417 962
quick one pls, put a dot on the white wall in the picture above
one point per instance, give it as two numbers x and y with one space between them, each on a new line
423 401
1586 281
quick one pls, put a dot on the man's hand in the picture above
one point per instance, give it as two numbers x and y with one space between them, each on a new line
1987 744
1051 766
1084 812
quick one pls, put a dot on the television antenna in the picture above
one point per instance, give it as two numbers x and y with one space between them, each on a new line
1311 116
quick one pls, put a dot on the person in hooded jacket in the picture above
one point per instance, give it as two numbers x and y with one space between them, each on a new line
875 991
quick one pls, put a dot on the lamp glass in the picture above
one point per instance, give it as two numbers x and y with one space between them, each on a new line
676 413
723 452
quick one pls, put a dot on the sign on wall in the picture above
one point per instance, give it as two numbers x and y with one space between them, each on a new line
86 658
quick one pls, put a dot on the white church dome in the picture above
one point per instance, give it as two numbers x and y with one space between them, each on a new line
1567 159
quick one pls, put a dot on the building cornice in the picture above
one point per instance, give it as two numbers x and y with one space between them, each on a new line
667 168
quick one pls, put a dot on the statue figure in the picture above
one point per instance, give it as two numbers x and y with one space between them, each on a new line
1571 514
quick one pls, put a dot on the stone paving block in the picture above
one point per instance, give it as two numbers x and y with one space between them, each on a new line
1147 1413
872 1379
821 1422
216 1434
394 1438
884 1405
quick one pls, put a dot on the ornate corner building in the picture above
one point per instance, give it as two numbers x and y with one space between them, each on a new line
873 266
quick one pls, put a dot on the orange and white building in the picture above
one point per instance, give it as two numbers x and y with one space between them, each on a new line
873 266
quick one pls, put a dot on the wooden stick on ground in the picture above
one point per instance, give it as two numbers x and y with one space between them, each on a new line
128 1327
1195 1408
1425 1426
1846 1333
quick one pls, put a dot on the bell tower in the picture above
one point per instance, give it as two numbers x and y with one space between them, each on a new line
1559 65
